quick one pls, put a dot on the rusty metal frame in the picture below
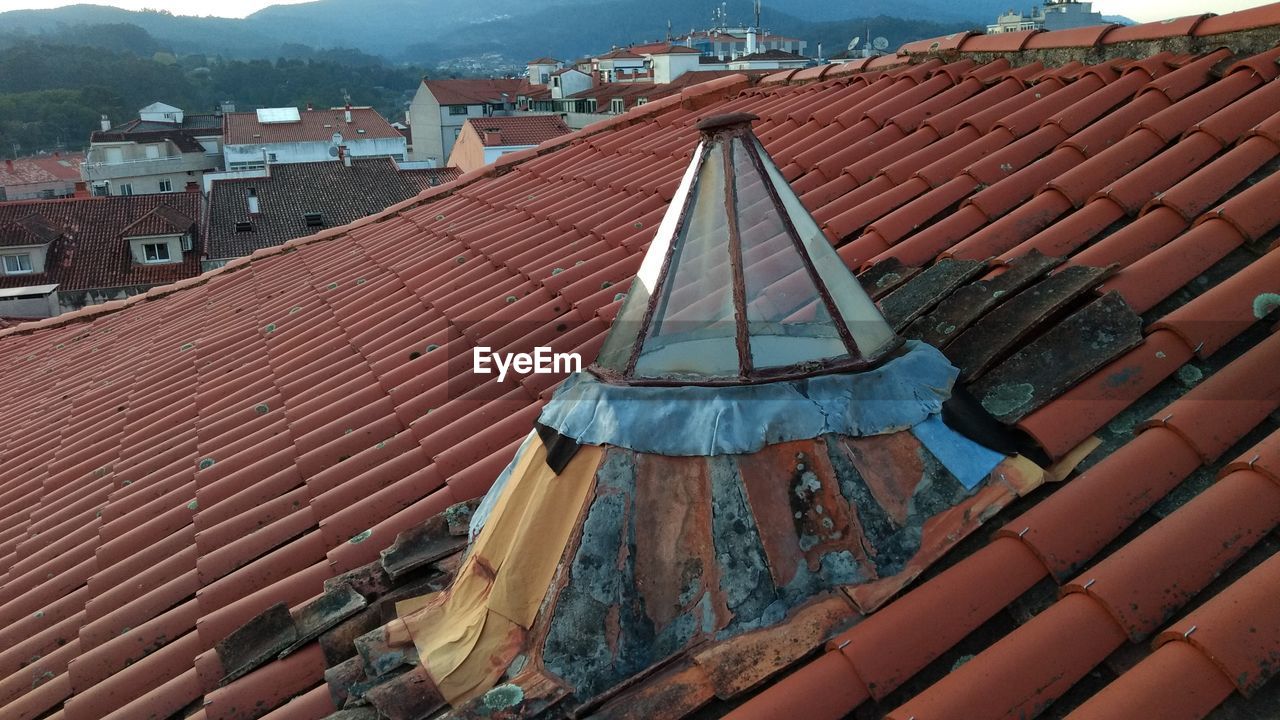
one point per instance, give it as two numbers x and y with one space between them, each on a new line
735 261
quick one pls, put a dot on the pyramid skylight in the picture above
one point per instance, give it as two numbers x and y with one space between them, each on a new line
739 284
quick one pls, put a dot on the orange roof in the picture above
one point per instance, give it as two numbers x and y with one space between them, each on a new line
474 92
518 129
41 169
244 128
317 398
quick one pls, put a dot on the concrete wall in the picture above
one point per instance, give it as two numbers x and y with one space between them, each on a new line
37 191
434 128
298 152
571 83
69 301
667 68
33 307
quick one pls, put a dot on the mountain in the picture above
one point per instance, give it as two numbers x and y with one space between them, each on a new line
438 30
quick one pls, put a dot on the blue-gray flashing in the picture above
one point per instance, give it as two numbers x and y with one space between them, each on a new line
969 461
701 421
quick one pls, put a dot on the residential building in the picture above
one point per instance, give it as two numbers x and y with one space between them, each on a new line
441 107
539 71
770 60
287 135
291 200
568 81
484 140
621 65
40 176
164 150
726 44
62 255
607 99
1053 15
260 472
669 62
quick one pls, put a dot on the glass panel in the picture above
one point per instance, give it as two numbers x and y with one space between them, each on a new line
786 318
870 331
693 333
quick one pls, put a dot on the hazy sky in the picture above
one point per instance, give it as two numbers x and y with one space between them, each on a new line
1142 10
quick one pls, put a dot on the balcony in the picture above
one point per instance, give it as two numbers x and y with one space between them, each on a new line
142 167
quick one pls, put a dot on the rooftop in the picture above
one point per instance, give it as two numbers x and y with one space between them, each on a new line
244 128
475 91
339 194
88 247
518 129
770 55
39 169
319 400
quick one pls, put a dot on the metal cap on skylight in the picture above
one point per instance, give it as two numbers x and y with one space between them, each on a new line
739 284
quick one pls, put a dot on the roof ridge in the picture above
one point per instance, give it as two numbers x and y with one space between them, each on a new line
499 167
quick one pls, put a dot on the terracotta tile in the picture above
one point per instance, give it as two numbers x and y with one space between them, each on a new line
998 43
1176 682
1241 20
1239 629
1154 30
827 688
1226 310
1008 679
1153 278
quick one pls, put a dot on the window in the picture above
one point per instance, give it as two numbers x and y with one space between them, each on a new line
456 133
271 157
153 152
244 226
314 219
156 252
17 264
642 101
457 109
166 186
616 106
126 189
187 242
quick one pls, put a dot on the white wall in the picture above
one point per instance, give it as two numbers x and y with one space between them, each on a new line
34 307
36 253
173 241
571 83
434 128
297 152
667 68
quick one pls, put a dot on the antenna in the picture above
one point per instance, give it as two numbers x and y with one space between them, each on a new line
757 15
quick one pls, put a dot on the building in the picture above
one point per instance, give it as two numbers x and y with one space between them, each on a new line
621 65
287 135
441 107
1053 15
254 471
607 99
62 255
671 61
40 177
164 150
725 44
485 140
291 200
566 82
539 71
770 60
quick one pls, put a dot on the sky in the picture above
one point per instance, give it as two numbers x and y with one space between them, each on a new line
1140 10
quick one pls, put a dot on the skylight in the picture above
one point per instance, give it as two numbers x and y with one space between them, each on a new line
271 116
740 284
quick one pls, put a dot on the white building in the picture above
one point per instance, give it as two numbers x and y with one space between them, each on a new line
287 135
1053 15
672 61
441 107
569 81
164 150
539 71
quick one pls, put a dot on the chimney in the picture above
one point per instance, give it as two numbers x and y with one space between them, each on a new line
82 189
254 208
348 113
344 155
310 107
492 137
595 78
8 165
106 123
57 155
751 41
193 186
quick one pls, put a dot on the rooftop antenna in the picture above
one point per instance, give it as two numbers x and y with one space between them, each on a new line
758 29
668 29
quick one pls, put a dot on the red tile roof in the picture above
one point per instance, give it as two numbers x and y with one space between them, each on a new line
318 401
41 169
518 129
243 128
91 250
475 92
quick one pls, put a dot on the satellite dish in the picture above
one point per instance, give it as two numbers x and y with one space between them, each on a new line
880 43
853 44
333 152
337 138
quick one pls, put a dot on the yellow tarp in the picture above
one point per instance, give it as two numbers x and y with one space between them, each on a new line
466 635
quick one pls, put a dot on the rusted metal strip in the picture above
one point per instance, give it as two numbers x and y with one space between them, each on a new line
923 292
957 313
1059 359
1001 331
